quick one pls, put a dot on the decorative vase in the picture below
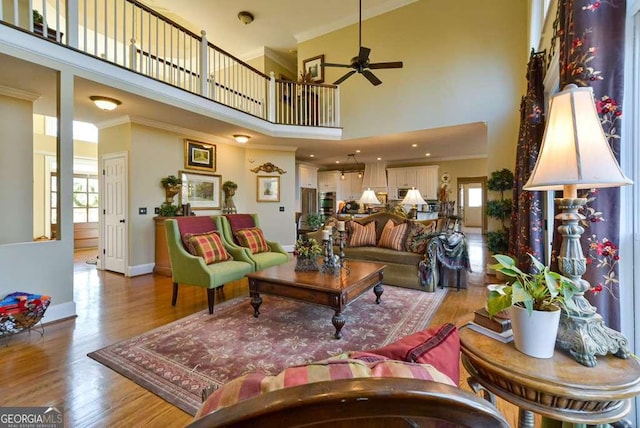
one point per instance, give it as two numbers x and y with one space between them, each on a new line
170 192
306 264
535 334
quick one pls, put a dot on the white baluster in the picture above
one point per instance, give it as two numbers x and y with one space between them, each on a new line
272 97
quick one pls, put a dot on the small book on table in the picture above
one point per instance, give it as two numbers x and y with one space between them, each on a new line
504 337
497 323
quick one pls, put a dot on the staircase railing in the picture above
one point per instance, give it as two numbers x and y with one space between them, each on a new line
132 35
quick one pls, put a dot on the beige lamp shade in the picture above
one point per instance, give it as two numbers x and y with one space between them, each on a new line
369 197
575 152
413 197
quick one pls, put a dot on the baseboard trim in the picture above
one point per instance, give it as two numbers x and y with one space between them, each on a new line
59 312
140 269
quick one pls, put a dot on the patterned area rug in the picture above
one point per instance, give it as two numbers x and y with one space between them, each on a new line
178 360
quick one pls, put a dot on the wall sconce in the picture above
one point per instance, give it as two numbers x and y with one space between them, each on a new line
245 17
575 154
241 138
105 103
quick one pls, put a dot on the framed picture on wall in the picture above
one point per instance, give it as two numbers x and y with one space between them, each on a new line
199 156
268 188
202 191
313 68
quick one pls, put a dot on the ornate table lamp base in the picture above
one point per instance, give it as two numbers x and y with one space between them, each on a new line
583 333
586 337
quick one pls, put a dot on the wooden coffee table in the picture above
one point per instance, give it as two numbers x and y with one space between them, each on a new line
326 289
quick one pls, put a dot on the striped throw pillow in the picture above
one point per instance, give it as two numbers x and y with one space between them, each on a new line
393 235
362 236
253 238
253 384
208 246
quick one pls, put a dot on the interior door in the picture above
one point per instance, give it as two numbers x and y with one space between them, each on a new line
114 169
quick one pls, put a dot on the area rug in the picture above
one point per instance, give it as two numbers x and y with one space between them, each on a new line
178 360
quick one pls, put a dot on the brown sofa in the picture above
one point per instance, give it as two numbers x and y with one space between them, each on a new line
402 266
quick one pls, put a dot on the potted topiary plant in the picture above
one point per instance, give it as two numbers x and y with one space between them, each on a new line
534 301
498 240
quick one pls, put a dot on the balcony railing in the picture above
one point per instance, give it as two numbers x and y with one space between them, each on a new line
130 34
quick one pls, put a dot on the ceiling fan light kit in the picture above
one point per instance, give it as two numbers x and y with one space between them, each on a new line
360 63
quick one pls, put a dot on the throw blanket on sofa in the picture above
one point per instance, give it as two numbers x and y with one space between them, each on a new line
450 249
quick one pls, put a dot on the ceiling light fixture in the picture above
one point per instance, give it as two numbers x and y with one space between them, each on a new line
359 167
240 138
105 103
245 17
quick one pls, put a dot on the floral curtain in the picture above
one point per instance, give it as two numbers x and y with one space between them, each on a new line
591 35
526 230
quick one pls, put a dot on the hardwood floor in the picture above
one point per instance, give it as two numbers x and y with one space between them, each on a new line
54 370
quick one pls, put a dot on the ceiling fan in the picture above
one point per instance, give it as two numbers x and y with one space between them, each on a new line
361 64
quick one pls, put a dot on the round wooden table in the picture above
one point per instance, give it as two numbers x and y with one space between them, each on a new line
556 388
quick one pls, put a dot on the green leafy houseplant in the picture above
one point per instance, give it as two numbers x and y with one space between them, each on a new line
307 248
170 181
314 220
542 291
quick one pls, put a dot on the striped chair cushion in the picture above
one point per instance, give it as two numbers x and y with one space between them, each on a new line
340 367
252 238
362 236
208 246
393 236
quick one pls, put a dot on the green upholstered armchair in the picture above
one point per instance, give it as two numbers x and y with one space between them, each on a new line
188 269
231 223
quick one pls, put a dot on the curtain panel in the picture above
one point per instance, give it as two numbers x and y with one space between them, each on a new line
527 223
591 36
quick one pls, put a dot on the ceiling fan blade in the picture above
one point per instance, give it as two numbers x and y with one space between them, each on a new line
363 55
371 77
329 64
343 78
380 65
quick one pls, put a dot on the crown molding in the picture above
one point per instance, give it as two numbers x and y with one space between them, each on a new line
19 93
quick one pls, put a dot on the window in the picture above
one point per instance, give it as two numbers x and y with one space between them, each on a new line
85 198
475 197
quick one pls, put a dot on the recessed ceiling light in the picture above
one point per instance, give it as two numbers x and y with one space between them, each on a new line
414 145
311 156
379 158
337 161
357 151
240 138
427 154
105 103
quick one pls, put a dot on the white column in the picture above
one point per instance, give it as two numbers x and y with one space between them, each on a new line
271 112
72 23
204 65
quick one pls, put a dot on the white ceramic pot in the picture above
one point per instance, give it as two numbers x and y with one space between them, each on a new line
535 334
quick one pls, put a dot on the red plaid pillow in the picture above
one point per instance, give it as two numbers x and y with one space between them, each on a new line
208 246
253 238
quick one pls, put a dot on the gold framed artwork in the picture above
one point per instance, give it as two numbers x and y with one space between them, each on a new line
202 191
200 156
268 188
314 69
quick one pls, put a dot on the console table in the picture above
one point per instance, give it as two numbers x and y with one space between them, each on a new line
558 388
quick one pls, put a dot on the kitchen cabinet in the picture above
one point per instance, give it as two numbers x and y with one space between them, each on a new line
427 181
423 178
350 187
328 181
307 176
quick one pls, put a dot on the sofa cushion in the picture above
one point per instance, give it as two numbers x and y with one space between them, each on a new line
362 236
208 246
253 239
342 367
383 255
393 235
418 236
439 346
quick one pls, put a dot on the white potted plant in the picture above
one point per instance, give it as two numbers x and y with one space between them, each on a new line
534 301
